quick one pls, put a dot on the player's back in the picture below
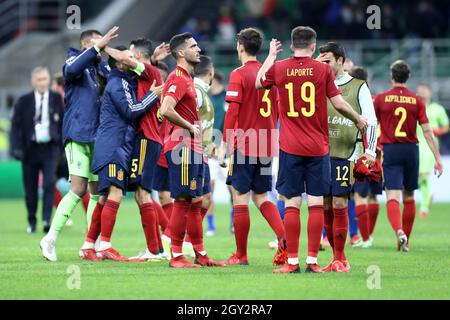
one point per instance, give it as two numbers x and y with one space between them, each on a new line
398 111
257 108
257 115
303 87
149 122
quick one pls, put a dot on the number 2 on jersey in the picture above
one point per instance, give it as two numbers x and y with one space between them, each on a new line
266 100
309 98
400 111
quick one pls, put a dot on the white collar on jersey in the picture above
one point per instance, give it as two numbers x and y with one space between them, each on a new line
343 79
202 84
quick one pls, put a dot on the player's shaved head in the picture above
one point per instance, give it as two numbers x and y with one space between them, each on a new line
251 39
178 42
335 48
88 34
144 46
425 92
113 63
400 71
302 37
204 67
360 73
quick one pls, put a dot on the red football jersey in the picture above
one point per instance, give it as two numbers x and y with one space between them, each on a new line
303 87
149 122
398 111
256 123
180 86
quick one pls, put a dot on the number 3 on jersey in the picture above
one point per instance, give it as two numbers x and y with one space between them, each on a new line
266 113
308 95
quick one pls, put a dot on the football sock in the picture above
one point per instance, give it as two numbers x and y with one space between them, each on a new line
409 214
150 226
272 216
108 220
328 224
177 225
194 226
374 209
280 206
168 209
315 226
162 218
352 224
425 191
340 229
63 213
158 234
93 199
211 225
362 217
58 197
241 229
95 227
85 201
394 216
292 226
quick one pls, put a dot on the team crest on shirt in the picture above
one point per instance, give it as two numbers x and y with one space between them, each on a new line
193 184
120 175
172 89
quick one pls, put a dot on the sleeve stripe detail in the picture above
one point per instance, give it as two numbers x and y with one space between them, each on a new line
73 59
371 136
139 106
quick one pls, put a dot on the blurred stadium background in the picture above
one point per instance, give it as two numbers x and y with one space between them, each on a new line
35 33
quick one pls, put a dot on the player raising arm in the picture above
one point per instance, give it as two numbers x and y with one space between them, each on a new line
398 111
303 86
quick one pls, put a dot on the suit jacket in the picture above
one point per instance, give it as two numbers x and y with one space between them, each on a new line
22 128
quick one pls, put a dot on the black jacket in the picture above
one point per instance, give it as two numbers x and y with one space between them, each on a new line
22 128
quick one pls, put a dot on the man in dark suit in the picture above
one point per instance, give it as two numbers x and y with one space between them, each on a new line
36 142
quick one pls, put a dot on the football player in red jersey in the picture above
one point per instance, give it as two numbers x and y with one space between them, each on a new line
398 111
303 86
250 130
184 154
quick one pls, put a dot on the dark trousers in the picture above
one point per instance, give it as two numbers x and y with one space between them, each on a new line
40 157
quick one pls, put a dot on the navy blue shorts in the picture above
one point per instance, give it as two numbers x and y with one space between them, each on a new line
185 172
299 174
250 173
401 166
206 179
111 175
144 157
365 188
341 177
161 179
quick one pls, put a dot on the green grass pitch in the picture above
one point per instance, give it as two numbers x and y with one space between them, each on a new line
423 273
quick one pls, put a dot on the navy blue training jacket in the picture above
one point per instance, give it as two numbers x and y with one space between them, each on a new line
119 110
82 94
